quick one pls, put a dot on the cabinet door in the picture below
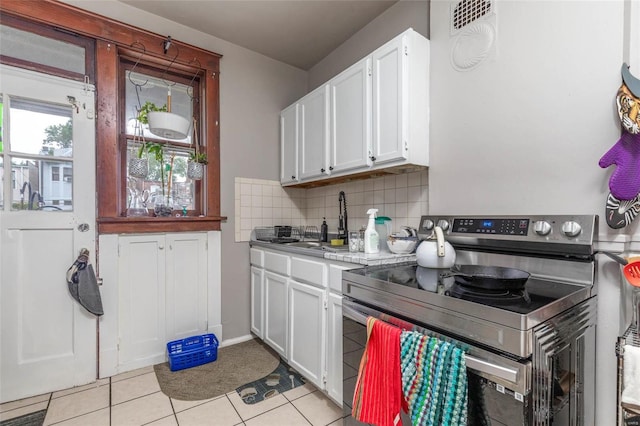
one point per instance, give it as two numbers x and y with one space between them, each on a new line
307 331
257 306
390 101
314 133
351 118
141 283
275 312
334 348
186 285
289 144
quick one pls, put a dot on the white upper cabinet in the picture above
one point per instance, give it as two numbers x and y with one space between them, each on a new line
401 101
378 116
289 145
351 118
314 134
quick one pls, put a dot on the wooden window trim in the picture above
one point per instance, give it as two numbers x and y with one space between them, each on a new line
112 36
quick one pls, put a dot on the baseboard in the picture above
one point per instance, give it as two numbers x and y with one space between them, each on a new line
236 340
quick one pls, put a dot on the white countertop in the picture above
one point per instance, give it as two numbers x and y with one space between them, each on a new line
382 258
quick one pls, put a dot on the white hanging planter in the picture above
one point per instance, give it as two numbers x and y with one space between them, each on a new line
168 125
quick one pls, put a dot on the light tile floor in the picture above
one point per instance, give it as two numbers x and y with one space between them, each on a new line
134 398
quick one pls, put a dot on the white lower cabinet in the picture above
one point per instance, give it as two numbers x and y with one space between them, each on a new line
257 296
307 331
301 303
334 347
162 295
276 312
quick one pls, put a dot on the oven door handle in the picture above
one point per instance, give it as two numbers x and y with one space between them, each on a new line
350 311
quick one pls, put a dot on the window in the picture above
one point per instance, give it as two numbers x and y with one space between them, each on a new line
39 150
146 89
111 46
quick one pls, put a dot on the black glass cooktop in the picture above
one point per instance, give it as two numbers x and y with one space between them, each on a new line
536 293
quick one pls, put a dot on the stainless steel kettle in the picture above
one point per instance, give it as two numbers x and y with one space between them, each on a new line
437 253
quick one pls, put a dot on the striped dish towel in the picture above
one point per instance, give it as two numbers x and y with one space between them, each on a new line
434 380
378 394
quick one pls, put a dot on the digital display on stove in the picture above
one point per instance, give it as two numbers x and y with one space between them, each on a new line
515 227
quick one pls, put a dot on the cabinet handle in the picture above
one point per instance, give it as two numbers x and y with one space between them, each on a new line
373 158
160 247
322 170
293 177
330 167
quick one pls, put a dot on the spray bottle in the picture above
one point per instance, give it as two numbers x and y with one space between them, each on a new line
371 239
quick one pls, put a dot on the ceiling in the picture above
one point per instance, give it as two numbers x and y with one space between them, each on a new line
296 32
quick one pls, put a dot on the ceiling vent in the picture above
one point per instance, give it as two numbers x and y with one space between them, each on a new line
473 33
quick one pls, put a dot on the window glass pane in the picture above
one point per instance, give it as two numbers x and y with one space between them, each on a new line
1 157
2 180
41 50
147 191
40 128
142 88
33 186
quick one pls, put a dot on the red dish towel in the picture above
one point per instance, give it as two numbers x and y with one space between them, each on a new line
378 396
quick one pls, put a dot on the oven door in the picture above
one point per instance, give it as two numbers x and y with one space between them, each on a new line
499 387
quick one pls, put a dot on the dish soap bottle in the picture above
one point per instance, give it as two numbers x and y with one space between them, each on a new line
371 239
324 231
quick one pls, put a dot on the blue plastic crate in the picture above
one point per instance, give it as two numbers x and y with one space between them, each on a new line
192 351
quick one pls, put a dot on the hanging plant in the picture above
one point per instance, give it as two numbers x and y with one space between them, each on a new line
162 205
143 114
139 166
197 159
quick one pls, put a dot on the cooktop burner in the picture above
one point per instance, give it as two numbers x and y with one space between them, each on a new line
491 297
536 293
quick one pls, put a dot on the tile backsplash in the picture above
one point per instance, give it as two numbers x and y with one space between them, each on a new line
258 202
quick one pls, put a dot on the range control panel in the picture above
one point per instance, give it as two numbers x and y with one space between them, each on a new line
572 230
491 226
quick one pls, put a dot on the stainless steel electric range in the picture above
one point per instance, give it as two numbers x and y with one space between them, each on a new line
530 350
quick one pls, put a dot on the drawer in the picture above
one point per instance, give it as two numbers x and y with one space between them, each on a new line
309 271
335 276
257 257
277 263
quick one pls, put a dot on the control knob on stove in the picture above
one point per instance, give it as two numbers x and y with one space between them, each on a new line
571 229
428 225
442 223
542 227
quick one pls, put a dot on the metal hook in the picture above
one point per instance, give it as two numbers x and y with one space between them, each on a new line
166 45
144 50
190 87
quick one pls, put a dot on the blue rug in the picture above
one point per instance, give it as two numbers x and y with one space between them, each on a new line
282 379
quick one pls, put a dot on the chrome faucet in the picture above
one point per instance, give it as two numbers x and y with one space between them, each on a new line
343 228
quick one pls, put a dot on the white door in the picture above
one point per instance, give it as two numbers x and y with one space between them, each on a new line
390 101
275 312
289 144
307 331
334 348
351 118
257 310
141 301
314 134
48 341
186 286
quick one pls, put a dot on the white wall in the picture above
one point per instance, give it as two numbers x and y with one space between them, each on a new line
253 90
523 133
393 21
